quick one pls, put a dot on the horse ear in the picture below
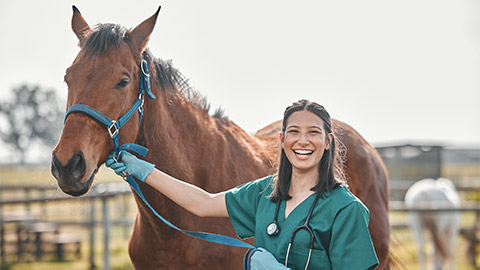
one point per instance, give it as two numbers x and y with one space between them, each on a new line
79 25
141 34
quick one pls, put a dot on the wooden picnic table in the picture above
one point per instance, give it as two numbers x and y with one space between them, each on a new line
17 219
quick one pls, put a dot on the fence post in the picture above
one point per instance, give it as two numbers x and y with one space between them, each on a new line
2 244
126 231
475 244
106 228
92 234
44 204
2 235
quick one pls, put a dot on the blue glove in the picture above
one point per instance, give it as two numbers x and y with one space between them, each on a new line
131 164
264 260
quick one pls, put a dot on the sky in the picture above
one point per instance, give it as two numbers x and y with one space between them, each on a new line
397 71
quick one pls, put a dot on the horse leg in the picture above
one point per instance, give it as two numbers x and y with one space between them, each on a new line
453 234
448 224
447 235
417 229
451 249
441 237
438 264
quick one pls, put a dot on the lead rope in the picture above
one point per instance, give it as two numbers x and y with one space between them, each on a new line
210 237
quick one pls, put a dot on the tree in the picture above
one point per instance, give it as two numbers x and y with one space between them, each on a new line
33 118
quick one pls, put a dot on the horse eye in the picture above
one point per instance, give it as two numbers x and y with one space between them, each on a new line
122 83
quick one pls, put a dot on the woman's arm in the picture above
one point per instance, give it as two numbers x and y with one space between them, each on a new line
188 196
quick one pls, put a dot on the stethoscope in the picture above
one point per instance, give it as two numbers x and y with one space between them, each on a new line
273 230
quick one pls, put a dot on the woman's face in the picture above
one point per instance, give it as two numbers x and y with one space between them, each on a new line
305 140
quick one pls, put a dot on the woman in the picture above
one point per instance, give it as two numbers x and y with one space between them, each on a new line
301 218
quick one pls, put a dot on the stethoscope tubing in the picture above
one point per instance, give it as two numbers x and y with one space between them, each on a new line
308 259
305 226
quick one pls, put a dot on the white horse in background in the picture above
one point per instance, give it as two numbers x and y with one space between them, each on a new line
443 226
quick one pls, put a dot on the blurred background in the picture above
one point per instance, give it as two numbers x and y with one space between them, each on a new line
403 74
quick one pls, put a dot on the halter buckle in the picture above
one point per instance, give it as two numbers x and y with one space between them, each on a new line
113 130
116 158
145 70
142 98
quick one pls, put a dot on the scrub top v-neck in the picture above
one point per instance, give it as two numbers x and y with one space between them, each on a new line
339 222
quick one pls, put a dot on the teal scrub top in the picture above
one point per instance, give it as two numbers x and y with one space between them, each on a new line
339 222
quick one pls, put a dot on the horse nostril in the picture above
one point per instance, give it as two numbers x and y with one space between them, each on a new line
55 166
74 170
77 165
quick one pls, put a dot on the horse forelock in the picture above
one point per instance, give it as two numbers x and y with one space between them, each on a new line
103 37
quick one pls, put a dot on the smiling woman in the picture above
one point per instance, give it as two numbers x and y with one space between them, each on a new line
308 145
337 221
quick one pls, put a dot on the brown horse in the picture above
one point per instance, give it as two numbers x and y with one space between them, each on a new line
185 142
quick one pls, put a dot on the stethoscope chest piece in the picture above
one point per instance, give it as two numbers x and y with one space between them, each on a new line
273 229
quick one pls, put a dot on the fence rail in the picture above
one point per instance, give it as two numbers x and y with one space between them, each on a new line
102 192
465 207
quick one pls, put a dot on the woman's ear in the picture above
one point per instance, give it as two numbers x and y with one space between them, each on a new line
328 141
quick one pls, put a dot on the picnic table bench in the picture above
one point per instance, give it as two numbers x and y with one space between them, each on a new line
29 235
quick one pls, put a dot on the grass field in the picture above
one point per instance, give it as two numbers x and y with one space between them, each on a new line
403 247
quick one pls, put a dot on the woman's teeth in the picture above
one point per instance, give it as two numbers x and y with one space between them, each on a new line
303 152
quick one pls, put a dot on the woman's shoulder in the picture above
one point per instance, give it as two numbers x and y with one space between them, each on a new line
261 184
342 198
264 182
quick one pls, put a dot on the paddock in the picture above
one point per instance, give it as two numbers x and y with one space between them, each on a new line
122 210
121 223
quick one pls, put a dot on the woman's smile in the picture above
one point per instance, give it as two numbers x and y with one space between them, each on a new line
305 140
303 153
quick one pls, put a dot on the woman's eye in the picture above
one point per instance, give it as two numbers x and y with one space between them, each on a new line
293 131
122 83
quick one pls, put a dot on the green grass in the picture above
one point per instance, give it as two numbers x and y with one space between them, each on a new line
404 247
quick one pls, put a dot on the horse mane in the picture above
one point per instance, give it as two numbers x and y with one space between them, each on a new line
168 77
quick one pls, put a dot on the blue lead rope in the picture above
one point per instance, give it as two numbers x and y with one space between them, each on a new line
210 237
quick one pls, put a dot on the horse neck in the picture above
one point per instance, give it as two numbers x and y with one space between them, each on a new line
187 143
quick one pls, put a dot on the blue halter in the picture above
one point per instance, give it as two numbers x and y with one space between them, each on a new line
113 128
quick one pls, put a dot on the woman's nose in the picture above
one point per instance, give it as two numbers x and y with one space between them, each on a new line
303 140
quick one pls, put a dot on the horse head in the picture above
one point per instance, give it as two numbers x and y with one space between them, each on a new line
104 76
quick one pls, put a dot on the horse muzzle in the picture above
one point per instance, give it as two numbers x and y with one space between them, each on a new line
70 177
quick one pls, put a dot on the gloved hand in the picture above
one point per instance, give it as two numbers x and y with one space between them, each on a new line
264 260
130 163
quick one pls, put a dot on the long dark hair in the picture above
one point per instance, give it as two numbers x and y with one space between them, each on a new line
326 169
